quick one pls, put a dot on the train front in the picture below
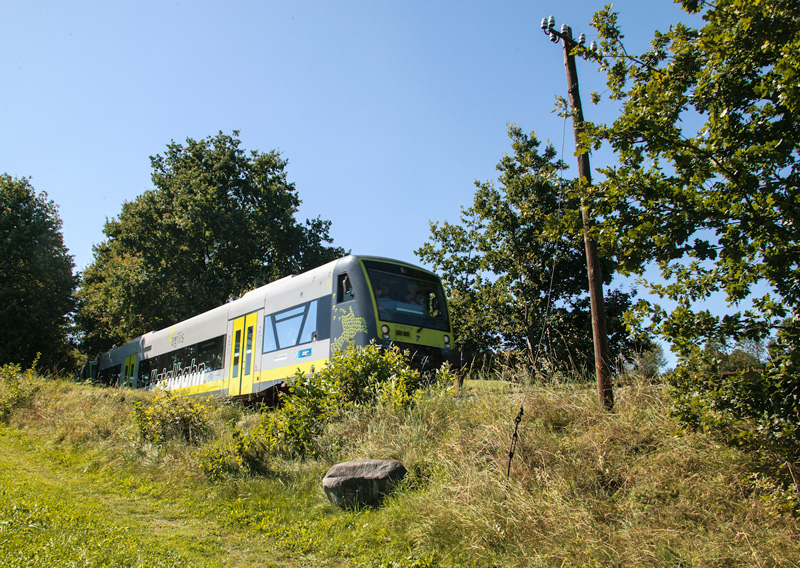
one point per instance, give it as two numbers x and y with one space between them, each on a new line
410 311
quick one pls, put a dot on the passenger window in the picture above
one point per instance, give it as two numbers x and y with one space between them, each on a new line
235 371
295 326
288 329
248 351
310 326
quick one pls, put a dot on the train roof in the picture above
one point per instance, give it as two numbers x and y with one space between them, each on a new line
285 282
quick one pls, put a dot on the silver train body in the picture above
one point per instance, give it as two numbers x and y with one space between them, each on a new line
251 345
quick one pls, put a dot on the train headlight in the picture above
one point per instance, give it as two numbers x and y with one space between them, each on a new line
385 331
446 340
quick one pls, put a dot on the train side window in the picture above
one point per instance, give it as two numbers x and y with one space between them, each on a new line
309 331
297 325
206 356
270 341
236 353
288 326
110 375
344 290
248 350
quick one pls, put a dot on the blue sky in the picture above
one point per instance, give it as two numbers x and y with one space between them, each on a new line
387 111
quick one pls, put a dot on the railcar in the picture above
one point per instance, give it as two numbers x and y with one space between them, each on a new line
257 342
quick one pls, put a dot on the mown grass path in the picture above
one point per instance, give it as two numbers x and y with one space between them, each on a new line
54 512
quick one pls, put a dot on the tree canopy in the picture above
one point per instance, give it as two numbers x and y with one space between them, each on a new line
219 221
715 205
36 278
509 282
706 188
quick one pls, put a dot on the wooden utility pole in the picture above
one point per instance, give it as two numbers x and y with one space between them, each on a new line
602 356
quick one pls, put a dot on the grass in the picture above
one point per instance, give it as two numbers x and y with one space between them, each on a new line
80 487
54 516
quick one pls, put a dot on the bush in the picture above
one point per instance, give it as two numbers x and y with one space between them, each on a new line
372 375
310 405
16 388
355 377
168 416
757 408
242 454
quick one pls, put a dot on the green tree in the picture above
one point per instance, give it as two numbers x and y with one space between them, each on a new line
220 221
706 189
36 278
743 356
507 280
648 364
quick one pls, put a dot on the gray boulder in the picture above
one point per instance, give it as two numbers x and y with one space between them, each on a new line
362 483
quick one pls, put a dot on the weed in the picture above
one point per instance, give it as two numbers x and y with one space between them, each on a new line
16 388
168 416
242 454
369 377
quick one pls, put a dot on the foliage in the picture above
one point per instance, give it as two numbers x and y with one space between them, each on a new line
219 222
242 454
372 375
744 355
508 280
36 278
168 416
751 406
647 365
16 388
706 188
358 376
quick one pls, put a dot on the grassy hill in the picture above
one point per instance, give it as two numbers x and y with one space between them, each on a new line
81 486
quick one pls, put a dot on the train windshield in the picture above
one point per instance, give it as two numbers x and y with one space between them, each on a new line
407 295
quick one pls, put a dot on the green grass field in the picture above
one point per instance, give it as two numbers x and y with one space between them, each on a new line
79 486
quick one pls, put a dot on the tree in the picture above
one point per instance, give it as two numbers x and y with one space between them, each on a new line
706 188
36 278
743 356
508 282
647 364
218 223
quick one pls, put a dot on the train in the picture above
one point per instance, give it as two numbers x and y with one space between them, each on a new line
251 346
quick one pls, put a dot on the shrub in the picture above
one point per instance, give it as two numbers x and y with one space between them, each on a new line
372 375
756 408
355 377
16 388
309 405
242 454
168 416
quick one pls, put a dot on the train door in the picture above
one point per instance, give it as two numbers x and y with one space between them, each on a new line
243 355
129 372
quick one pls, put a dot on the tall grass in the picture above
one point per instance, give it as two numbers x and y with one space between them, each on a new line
586 487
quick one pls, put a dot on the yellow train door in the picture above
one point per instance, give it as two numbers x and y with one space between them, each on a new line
128 369
243 353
